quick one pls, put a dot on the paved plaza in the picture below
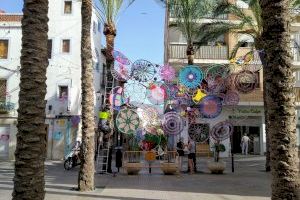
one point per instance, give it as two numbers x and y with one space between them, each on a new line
249 181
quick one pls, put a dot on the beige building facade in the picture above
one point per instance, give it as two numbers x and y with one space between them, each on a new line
248 116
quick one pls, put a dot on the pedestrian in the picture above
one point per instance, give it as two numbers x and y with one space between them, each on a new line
245 143
192 154
180 152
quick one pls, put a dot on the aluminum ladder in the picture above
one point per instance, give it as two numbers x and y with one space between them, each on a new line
104 145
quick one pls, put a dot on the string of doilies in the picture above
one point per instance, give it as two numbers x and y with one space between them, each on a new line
193 91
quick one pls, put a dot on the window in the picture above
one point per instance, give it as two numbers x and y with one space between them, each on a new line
63 92
49 46
2 90
94 27
3 49
103 75
97 53
97 67
68 7
246 40
66 46
247 44
99 26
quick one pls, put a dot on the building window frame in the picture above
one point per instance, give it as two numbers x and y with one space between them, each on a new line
103 75
8 49
60 90
94 27
64 7
99 26
62 46
52 49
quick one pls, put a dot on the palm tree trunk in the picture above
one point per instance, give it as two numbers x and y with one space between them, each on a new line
110 34
29 182
87 168
281 100
259 45
190 54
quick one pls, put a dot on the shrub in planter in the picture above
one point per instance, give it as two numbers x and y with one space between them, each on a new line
217 166
169 168
133 164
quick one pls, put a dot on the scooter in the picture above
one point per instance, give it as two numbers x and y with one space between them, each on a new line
72 159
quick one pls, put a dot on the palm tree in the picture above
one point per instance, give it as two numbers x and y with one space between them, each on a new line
86 173
281 99
109 11
186 15
29 182
251 26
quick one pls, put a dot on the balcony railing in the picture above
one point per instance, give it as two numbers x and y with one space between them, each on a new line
207 16
244 50
6 107
296 54
178 51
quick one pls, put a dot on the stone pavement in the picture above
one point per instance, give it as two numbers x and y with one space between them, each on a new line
249 181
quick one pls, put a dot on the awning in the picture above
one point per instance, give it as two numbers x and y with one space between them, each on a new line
246 38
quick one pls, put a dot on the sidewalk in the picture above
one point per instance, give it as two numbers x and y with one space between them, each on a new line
247 182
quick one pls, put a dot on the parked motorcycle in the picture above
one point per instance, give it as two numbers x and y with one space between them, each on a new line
72 159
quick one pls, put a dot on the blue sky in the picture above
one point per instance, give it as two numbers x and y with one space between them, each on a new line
140 29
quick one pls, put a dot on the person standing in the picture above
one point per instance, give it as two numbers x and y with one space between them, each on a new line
180 152
192 154
245 143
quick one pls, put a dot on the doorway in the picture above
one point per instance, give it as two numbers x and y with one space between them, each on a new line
253 133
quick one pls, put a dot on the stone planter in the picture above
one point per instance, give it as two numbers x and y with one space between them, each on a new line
133 168
216 167
169 168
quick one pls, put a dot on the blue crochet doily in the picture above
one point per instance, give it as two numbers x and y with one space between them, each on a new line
191 76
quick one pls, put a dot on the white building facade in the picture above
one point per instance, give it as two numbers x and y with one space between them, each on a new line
63 109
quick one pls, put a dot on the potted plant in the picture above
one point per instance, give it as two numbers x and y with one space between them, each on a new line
217 166
133 164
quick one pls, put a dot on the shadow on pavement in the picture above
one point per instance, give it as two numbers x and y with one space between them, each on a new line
248 181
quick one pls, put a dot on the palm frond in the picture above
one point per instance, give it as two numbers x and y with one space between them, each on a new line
295 4
249 32
256 10
212 31
236 48
110 9
186 14
225 7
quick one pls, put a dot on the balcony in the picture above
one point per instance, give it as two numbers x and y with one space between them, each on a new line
296 54
6 107
207 16
244 50
178 51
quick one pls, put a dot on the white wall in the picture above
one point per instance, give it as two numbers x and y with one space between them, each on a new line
12 32
63 69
